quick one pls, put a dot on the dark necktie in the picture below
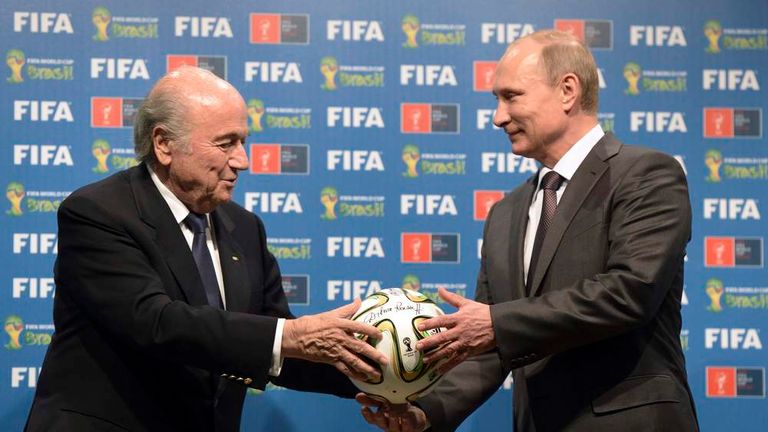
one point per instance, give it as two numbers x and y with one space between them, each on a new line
550 183
197 223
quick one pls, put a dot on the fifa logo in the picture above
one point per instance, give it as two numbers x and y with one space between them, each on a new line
411 282
329 67
255 113
101 19
407 343
100 150
713 159
329 197
632 73
411 156
410 26
13 327
15 193
15 60
713 31
714 290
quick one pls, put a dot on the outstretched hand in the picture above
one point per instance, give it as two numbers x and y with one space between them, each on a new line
469 331
392 418
329 337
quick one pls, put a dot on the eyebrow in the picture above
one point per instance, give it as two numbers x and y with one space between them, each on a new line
230 136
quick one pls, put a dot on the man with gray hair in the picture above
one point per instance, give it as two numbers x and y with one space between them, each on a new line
581 272
168 304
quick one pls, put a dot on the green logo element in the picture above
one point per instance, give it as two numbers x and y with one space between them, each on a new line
714 290
411 282
329 67
410 26
713 159
713 31
329 197
15 193
13 327
15 60
255 112
100 150
632 73
411 156
101 19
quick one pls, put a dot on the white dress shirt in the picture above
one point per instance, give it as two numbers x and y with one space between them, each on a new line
566 167
180 212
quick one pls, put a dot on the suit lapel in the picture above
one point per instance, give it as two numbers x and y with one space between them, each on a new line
519 224
154 211
584 179
504 242
232 263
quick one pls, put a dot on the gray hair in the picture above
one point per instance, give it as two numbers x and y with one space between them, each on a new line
164 106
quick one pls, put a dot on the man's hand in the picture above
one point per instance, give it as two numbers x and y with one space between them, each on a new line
393 418
469 332
329 337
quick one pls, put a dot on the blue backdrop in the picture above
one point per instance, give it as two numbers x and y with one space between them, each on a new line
374 159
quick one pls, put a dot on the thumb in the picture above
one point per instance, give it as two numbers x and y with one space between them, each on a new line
348 310
454 300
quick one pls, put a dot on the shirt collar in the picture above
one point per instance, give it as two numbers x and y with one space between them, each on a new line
179 210
572 159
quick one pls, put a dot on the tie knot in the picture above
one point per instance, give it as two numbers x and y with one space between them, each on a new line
551 180
196 222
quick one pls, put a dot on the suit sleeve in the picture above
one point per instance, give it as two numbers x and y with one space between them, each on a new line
105 270
297 374
472 382
649 222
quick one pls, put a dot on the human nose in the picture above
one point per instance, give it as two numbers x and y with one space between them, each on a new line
500 116
239 159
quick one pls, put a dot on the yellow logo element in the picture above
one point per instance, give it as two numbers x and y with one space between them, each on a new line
15 193
411 156
632 73
255 112
411 282
329 67
713 31
100 150
329 197
713 159
13 327
410 26
101 19
15 60
714 290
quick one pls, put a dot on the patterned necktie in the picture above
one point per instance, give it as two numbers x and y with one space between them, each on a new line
549 184
197 223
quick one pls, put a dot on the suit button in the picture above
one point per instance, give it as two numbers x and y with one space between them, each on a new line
247 381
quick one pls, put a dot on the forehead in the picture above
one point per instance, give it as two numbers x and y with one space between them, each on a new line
520 64
218 113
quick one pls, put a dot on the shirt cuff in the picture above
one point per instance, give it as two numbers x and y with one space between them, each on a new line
277 361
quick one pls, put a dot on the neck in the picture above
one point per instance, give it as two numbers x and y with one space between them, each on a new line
577 128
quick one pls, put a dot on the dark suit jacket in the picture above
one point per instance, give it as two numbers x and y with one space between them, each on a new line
136 345
596 346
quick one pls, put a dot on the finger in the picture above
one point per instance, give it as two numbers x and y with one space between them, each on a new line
368 401
451 298
446 321
357 366
360 348
350 326
435 341
348 310
375 419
